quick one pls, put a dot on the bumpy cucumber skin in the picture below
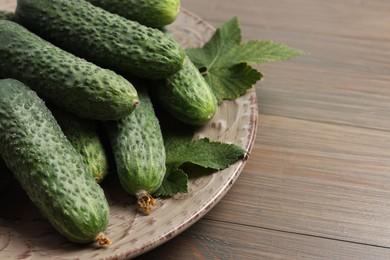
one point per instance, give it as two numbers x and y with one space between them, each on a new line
99 36
138 148
83 135
47 166
187 96
5 15
153 13
63 79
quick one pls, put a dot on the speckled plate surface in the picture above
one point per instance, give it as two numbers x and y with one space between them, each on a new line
24 234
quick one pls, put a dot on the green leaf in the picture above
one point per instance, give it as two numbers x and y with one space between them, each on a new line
224 60
208 154
232 82
175 181
182 149
258 52
184 156
224 39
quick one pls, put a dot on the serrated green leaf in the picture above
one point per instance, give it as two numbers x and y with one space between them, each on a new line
223 61
181 149
230 83
213 155
182 152
258 52
224 39
175 181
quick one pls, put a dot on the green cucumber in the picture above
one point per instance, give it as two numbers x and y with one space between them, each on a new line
106 39
83 135
139 152
48 167
153 13
61 78
5 15
187 96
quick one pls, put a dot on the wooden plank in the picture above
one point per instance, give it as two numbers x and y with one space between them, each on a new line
339 73
347 18
314 178
209 239
341 80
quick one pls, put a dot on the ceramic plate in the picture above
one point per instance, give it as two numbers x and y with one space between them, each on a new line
24 233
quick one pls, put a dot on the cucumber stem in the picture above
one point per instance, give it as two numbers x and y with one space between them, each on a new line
103 240
144 202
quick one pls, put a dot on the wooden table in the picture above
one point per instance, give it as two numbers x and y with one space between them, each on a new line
317 184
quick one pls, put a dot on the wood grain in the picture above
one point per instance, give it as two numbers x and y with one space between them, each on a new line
347 18
314 178
210 239
346 67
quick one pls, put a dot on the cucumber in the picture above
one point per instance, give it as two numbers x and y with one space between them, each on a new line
106 39
187 96
139 152
84 137
61 78
5 15
152 13
48 167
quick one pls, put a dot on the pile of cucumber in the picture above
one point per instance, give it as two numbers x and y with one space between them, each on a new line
66 66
